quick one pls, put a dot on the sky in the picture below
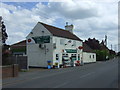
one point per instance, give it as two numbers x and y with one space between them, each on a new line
91 18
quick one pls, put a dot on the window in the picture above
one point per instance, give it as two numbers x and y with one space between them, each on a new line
61 41
57 56
90 56
78 56
93 56
66 54
55 40
63 54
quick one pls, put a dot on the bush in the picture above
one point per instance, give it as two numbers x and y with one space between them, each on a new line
102 55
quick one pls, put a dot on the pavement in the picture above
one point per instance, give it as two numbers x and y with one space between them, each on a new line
102 74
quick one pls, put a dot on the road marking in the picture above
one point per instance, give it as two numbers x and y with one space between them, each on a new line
28 79
61 85
8 83
86 75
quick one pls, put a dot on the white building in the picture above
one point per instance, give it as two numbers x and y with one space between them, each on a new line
49 43
88 55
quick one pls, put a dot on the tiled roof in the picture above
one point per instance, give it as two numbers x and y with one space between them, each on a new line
60 32
21 43
86 48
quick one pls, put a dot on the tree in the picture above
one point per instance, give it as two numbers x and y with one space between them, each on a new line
4 34
5 47
101 55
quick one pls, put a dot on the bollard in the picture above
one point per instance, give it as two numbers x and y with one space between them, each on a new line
15 70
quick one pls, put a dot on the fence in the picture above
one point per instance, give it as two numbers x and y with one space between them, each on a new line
20 60
10 71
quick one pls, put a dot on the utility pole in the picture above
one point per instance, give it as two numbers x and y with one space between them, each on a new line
106 40
115 48
111 46
118 47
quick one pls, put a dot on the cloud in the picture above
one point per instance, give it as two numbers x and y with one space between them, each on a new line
20 21
91 18
74 9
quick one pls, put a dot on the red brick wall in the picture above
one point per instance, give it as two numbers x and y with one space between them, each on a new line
10 71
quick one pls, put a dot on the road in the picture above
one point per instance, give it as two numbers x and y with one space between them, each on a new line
102 74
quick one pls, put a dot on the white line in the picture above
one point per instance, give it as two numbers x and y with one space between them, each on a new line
61 85
86 75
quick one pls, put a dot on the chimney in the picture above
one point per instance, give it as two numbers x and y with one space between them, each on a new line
69 27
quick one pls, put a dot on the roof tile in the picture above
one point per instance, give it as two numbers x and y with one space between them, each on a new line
60 32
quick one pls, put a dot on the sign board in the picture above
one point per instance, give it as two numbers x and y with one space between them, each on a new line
41 39
71 50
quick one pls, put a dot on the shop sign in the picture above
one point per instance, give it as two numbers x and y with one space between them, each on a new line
71 50
41 39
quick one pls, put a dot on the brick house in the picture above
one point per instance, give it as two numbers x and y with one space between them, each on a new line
19 48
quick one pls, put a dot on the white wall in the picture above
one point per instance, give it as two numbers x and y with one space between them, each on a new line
60 47
36 55
87 59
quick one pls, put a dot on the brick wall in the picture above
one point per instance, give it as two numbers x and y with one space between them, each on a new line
10 71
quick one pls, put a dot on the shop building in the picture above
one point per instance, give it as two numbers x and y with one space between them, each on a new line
49 43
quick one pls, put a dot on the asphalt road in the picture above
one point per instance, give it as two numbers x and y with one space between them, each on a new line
94 75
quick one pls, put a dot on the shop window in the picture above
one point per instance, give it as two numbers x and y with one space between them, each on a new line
57 57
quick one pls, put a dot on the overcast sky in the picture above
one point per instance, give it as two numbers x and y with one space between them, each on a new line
91 18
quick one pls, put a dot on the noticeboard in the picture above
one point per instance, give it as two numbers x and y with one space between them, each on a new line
41 39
